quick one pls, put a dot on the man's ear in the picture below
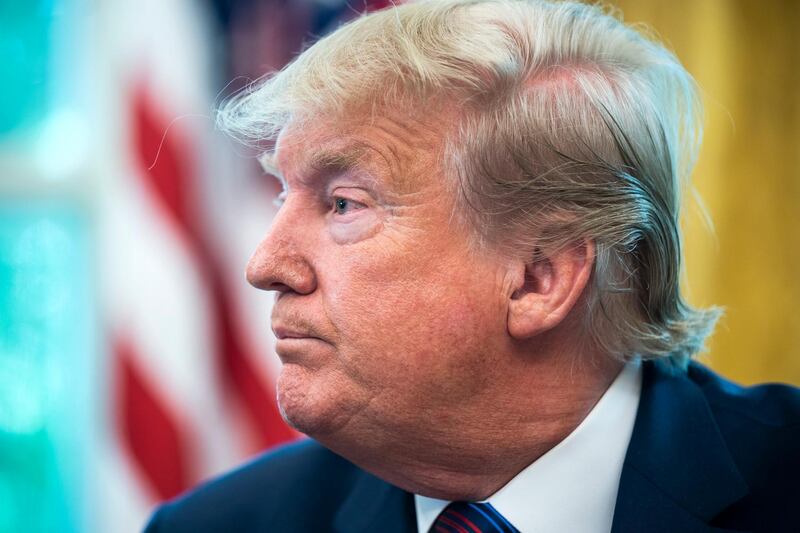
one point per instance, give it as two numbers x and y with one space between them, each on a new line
548 288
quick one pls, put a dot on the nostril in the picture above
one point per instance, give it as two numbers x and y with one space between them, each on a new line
276 286
260 279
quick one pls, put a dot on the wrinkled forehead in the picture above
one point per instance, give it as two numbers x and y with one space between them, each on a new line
392 145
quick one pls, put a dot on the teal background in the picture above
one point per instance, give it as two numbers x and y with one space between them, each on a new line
25 46
46 340
47 320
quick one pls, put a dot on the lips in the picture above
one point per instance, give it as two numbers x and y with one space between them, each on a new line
294 327
283 332
298 345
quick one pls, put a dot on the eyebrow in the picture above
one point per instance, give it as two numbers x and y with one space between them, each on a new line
324 162
336 161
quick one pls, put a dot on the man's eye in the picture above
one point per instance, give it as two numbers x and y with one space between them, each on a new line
342 206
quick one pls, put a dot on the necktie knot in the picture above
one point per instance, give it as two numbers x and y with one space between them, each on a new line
471 517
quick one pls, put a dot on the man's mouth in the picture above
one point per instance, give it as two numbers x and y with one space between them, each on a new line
283 332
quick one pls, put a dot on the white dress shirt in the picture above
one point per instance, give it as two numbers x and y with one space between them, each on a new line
573 487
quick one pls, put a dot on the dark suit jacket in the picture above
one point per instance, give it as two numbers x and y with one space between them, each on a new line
706 455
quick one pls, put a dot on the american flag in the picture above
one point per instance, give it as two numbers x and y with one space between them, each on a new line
190 369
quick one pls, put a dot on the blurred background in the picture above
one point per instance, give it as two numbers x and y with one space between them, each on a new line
134 359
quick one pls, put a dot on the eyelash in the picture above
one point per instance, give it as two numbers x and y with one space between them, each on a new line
352 204
334 205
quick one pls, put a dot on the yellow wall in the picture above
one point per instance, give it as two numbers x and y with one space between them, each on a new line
745 55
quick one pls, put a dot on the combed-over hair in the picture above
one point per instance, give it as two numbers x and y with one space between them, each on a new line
573 126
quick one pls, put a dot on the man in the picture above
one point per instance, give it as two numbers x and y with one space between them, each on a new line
476 267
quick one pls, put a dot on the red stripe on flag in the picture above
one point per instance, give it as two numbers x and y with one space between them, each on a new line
150 432
164 158
375 5
258 398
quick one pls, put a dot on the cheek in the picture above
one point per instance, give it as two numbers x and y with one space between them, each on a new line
406 331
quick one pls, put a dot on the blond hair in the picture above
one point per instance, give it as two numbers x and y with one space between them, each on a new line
574 126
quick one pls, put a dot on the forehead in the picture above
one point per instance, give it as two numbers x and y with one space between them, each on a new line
393 147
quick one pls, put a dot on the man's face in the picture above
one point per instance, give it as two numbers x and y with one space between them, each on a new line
385 319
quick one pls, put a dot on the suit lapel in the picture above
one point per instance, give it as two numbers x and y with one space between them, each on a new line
678 473
374 505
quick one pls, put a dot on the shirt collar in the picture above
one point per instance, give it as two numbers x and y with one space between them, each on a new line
573 487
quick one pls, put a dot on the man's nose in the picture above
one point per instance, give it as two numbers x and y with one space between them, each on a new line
279 263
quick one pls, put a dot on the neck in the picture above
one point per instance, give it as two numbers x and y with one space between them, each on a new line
470 451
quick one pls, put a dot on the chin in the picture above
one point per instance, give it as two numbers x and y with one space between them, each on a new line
310 405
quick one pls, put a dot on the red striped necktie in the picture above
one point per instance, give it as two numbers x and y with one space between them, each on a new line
469 517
